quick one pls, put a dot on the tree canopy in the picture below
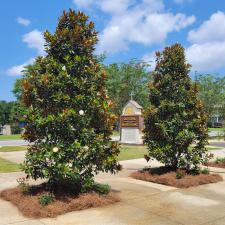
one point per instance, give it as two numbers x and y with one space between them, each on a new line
68 117
176 117
127 78
212 93
6 109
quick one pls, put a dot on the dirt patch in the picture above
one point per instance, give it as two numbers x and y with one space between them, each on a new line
29 204
163 176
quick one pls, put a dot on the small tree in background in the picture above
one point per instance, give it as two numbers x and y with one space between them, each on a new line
212 94
5 112
176 117
68 110
124 79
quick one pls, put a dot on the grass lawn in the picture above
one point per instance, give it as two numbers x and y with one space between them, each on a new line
217 129
213 148
7 166
136 152
116 133
131 152
12 148
10 137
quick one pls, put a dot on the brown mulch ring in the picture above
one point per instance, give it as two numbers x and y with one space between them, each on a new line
29 204
163 176
216 164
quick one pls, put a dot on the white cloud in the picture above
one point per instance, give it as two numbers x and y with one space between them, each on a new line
182 1
23 21
150 59
135 21
207 56
115 6
17 70
144 23
35 39
83 3
208 44
210 30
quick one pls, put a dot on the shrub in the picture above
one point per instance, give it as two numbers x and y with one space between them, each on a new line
68 110
220 160
102 188
23 185
16 129
176 117
46 199
179 174
195 171
205 171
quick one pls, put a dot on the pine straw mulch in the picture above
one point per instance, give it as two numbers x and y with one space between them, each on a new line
29 205
163 175
216 164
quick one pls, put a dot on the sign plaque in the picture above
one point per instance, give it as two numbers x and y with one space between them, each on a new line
130 121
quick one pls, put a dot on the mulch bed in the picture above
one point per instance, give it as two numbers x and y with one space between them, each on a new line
161 175
214 164
29 204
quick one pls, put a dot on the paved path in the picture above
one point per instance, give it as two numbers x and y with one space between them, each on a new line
22 142
215 133
142 203
217 143
12 142
17 156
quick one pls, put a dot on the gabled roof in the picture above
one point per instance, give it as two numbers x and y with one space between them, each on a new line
135 104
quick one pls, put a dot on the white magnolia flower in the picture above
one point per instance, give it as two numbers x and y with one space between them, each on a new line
55 149
64 68
86 147
81 112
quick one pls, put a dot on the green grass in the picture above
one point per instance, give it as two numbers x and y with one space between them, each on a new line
136 152
10 137
213 148
12 148
116 133
131 152
217 129
7 166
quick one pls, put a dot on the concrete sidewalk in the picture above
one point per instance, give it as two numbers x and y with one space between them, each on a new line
17 156
142 203
13 142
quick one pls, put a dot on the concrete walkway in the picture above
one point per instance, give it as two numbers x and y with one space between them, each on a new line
142 203
217 143
17 156
13 142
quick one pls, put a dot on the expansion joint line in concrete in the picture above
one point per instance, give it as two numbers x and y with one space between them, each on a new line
147 211
21 221
211 221
149 195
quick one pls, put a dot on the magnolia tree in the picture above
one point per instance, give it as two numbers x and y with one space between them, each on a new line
176 117
68 118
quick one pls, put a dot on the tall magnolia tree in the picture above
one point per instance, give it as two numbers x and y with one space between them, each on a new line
68 110
175 118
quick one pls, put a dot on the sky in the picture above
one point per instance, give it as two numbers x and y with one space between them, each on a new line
127 29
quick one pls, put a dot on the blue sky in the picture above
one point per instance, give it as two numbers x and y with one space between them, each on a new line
127 29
